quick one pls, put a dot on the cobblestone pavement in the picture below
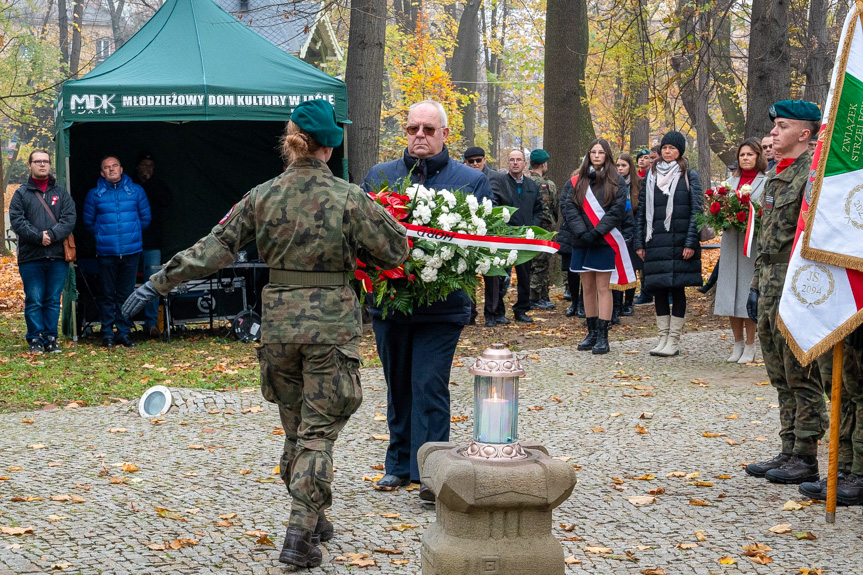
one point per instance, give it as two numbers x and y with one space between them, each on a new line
202 467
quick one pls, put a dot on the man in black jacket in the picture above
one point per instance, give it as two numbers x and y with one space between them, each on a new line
522 193
42 215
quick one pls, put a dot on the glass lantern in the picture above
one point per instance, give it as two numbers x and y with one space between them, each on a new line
495 428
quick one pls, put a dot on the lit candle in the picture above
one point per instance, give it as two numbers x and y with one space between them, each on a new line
496 421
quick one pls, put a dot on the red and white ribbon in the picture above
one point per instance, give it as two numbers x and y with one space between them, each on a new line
749 234
623 273
501 243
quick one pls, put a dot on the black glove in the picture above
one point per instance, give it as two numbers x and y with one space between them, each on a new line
590 237
138 299
752 305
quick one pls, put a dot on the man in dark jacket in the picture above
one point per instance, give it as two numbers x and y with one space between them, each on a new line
116 211
160 198
41 259
417 350
522 193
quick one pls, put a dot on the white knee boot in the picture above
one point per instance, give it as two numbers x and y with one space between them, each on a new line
662 324
672 345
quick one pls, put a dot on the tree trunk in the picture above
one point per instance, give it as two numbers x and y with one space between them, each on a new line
363 73
639 135
567 125
769 77
77 28
819 63
63 24
464 64
497 32
3 250
724 78
116 11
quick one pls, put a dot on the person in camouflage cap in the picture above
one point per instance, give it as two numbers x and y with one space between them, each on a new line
802 412
310 227
540 264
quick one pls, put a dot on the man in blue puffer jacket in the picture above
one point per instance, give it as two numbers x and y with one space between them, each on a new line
417 350
116 212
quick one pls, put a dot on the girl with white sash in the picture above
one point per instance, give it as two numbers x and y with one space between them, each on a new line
594 203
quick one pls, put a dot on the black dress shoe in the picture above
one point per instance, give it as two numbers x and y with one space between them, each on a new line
426 494
535 304
299 550
546 304
761 468
523 317
108 342
324 530
797 470
501 320
626 310
125 341
391 482
490 322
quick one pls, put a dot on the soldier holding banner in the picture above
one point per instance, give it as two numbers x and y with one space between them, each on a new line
802 411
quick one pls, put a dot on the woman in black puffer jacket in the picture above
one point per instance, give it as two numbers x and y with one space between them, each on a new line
667 238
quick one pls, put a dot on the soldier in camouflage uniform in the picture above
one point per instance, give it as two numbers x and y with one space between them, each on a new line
850 485
540 264
310 227
802 412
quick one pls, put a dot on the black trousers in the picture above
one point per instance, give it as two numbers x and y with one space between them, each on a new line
522 304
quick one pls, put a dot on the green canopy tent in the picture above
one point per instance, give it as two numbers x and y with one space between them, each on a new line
207 96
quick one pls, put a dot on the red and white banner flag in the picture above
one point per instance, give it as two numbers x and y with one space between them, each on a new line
822 299
623 274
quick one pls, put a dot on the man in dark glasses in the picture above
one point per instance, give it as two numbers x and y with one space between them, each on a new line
417 350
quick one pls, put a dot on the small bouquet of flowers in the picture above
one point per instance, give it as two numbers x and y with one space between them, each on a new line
454 239
724 208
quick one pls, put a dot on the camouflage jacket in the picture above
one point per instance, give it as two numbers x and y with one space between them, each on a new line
304 220
550 199
782 198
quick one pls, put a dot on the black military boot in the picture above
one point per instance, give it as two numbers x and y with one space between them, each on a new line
818 489
626 310
601 345
324 530
579 311
759 469
617 303
798 469
299 549
849 490
588 342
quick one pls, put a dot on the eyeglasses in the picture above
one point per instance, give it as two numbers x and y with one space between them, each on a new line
470 161
429 131
40 162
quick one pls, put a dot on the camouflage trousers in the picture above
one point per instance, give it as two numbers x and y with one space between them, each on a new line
802 411
317 388
851 409
539 267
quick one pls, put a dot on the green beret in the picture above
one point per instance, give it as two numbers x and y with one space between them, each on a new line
538 156
318 119
795 110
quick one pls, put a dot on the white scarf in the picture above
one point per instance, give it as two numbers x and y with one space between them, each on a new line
668 175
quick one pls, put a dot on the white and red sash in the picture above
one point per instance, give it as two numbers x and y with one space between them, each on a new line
498 242
623 273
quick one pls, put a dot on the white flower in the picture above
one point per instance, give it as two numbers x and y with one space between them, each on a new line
487 206
492 250
411 192
744 190
480 228
513 256
497 262
418 254
421 214
724 184
482 266
446 253
472 204
435 262
445 222
462 266
529 235
505 216
448 197
429 274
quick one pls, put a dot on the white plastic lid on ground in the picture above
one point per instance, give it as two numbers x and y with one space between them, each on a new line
156 401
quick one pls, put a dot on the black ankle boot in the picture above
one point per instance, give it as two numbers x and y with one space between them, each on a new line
299 550
571 311
588 342
849 490
324 530
761 468
626 309
579 311
566 295
601 345
798 469
617 299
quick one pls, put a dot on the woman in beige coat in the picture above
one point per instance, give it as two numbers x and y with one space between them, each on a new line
735 269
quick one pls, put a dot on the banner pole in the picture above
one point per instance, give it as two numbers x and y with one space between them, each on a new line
835 409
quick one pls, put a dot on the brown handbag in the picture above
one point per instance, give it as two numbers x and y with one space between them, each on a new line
69 251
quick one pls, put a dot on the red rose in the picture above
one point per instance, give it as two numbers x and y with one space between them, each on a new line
709 192
715 207
741 216
744 199
722 191
759 212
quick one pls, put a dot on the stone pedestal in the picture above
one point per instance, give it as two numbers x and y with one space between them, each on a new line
493 517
